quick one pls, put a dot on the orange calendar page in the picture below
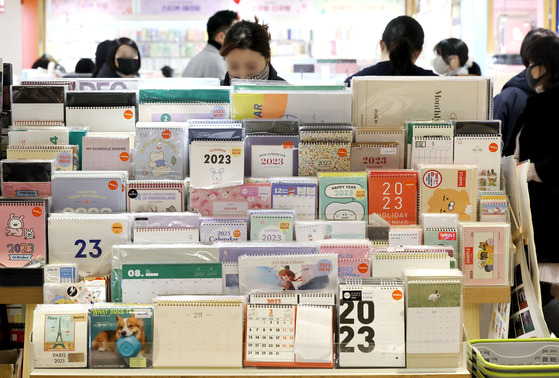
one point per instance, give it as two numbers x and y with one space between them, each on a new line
393 196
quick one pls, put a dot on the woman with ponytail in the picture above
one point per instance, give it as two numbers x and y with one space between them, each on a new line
401 44
452 59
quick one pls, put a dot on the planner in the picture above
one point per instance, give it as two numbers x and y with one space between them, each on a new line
166 235
155 196
289 272
365 156
106 153
371 324
86 240
393 196
24 237
216 164
141 282
449 189
483 151
60 336
296 193
65 156
27 178
323 157
181 337
271 225
89 192
433 318
214 230
343 196
270 155
161 151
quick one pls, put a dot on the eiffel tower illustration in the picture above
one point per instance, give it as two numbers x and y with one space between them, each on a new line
59 342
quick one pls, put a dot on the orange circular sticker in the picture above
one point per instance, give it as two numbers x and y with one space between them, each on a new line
236 152
166 134
342 152
123 188
284 226
117 228
113 185
128 114
363 268
410 185
37 211
124 156
397 295
493 147
236 233
287 145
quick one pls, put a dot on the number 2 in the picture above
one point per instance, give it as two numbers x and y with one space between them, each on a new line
82 255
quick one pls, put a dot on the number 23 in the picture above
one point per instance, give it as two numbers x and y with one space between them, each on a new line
95 242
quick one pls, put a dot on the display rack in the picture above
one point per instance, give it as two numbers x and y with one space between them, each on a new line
474 296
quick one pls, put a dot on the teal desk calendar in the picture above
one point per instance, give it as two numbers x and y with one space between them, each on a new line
343 196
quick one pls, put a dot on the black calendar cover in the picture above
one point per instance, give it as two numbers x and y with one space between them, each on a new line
38 94
100 98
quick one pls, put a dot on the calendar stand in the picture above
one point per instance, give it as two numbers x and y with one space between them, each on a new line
474 296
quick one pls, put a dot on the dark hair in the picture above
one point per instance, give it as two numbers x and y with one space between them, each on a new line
84 65
101 56
455 46
42 62
545 52
113 47
167 71
247 35
531 37
403 36
220 22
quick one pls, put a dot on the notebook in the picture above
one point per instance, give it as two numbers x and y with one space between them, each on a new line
24 236
160 151
106 153
485 250
27 178
113 330
214 230
60 336
86 240
371 324
155 196
166 235
271 225
89 192
216 164
181 337
365 156
271 155
433 318
450 189
393 196
288 272
323 157
141 282
483 151
296 193
387 262
65 157
431 150
343 196
232 200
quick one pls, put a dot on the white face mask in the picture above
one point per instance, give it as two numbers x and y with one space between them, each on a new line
440 65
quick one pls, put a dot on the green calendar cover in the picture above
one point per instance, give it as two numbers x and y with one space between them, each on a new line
343 195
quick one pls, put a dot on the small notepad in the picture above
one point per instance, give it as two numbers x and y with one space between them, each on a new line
155 196
216 164
106 153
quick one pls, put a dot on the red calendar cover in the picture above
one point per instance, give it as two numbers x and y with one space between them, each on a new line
393 196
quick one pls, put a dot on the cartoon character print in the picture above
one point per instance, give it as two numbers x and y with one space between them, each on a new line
29 233
15 226
486 255
217 175
159 166
451 201
287 277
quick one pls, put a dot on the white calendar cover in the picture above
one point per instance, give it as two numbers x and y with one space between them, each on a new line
110 118
216 164
484 151
38 136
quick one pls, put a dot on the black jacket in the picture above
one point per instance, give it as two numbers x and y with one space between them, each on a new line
539 134
509 104
383 69
106 72
273 76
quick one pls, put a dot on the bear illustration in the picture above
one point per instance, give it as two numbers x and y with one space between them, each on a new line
15 226
158 165
451 201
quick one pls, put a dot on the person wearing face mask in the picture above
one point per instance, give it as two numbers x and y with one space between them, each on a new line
534 138
123 59
247 53
452 59
400 46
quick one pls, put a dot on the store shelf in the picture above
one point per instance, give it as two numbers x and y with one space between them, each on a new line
277 373
21 295
486 294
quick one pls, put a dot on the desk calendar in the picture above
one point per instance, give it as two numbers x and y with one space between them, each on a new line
216 164
299 194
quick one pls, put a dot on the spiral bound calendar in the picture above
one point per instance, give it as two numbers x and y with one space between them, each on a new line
484 151
271 155
431 150
102 118
180 331
182 112
106 153
216 164
388 263
38 136
393 196
296 193
155 196
65 156
371 324
167 235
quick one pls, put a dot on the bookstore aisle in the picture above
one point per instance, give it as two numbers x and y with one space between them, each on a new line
275 229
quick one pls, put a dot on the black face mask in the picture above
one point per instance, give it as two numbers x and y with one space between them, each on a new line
530 80
128 66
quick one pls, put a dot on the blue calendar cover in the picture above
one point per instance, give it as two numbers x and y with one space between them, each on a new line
296 193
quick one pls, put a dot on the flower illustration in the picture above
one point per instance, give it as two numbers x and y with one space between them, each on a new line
225 194
250 199
213 197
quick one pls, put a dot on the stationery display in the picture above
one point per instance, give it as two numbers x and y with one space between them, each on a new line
216 164
483 151
393 196
106 153
155 196
343 196
296 193
27 178
223 230
65 157
271 225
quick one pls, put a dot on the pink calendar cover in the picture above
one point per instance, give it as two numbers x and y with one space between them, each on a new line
24 232
232 200
347 248
354 267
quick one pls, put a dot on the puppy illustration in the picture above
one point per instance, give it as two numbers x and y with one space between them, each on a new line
106 340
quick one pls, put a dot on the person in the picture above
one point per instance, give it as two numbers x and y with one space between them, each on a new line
508 104
84 66
453 60
208 62
400 46
101 56
247 52
533 139
45 60
167 71
123 59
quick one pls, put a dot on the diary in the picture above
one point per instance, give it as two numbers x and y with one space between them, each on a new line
483 151
393 196
155 196
343 196
271 155
24 236
106 153
271 225
27 178
65 157
216 164
296 193
223 230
